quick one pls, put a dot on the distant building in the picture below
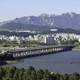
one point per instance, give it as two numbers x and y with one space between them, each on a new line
43 38
51 40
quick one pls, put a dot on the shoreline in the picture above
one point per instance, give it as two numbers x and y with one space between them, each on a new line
11 62
75 49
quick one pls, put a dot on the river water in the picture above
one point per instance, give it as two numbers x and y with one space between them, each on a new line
63 62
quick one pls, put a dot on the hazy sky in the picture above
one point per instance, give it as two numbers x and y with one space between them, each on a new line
10 9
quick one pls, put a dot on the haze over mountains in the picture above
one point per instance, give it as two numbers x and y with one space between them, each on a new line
43 22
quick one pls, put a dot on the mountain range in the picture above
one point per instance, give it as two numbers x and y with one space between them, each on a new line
43 22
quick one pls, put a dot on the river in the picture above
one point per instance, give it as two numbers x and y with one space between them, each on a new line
63 62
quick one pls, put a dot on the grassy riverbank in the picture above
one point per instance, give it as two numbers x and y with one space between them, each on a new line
8 62
76 48
11 61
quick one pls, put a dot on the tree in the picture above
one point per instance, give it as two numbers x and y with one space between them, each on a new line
46 75
40 74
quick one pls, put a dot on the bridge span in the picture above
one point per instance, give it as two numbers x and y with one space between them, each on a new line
29 52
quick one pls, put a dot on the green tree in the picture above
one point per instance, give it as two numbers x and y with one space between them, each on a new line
46 75
40 74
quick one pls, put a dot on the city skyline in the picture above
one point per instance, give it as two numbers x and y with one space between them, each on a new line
11 9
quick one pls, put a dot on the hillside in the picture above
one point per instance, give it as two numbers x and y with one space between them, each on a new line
43 22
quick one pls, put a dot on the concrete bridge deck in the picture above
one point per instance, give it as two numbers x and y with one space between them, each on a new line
27 52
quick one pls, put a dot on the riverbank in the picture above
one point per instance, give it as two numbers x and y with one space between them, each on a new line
76 48
8 62
11 61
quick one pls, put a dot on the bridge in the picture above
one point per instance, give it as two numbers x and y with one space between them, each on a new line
19 53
